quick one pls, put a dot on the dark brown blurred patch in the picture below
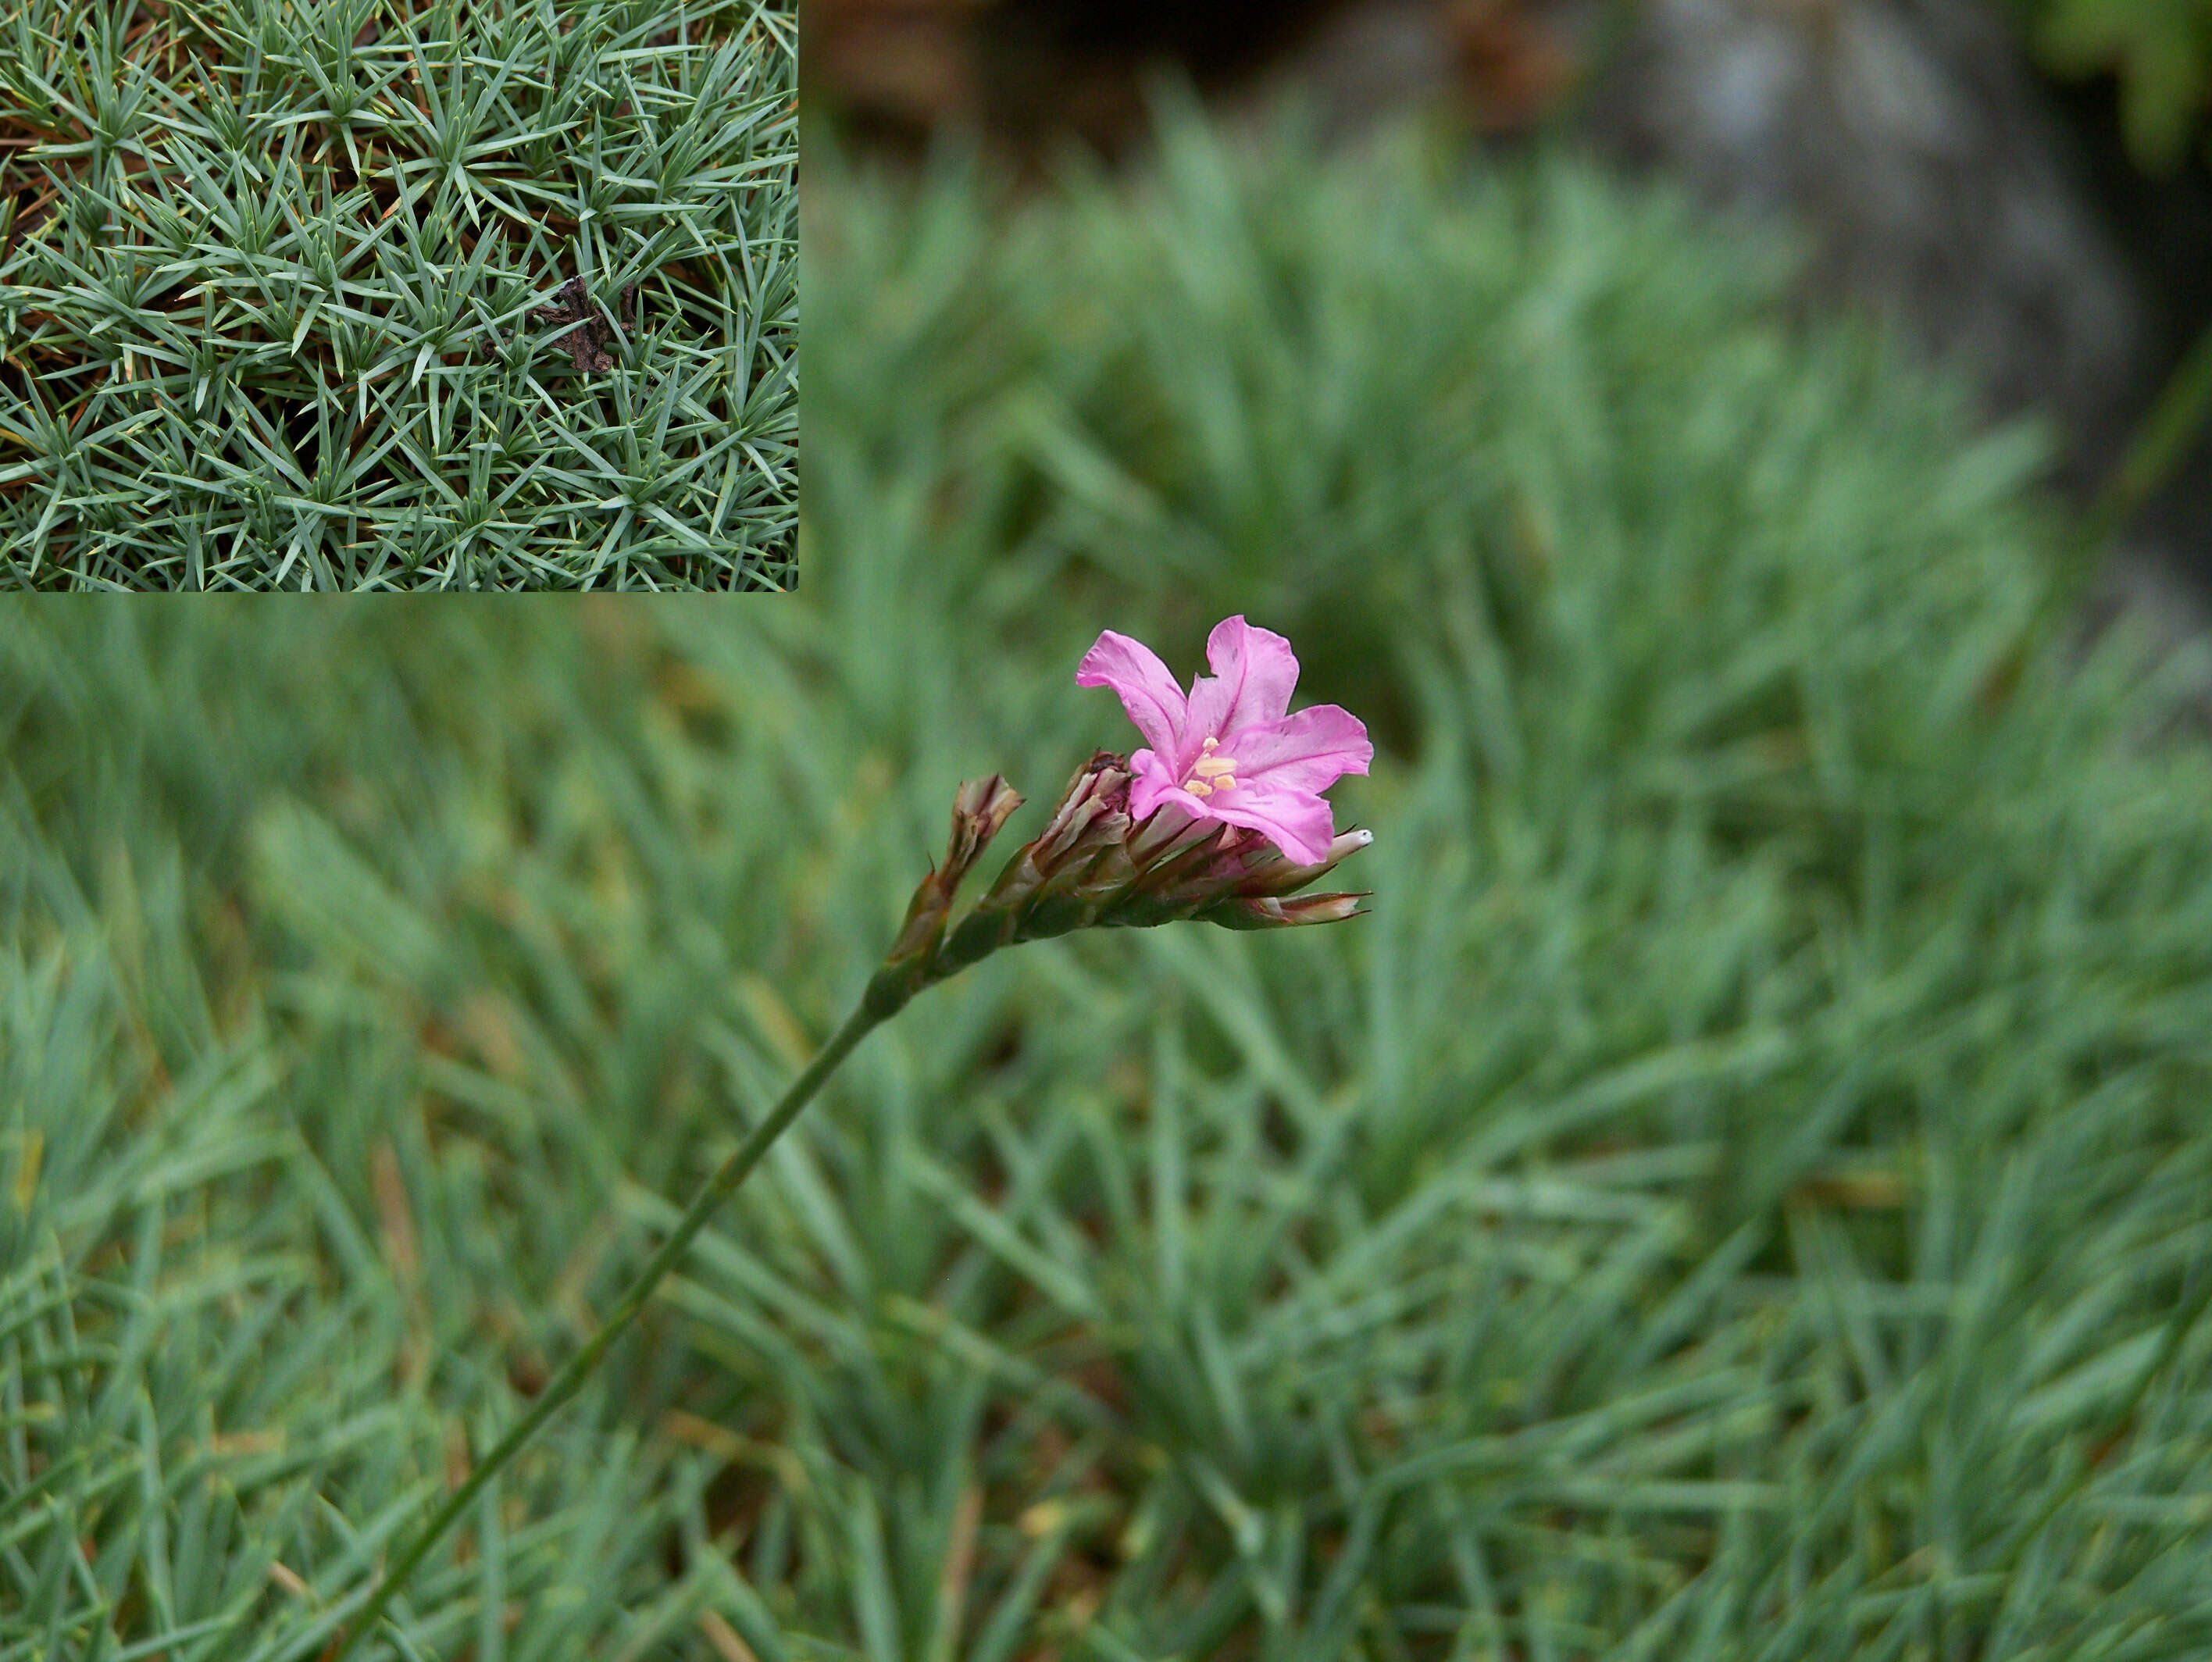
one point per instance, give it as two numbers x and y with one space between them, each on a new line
1511 66
1028 72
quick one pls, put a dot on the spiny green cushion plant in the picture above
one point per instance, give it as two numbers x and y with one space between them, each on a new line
1732 1198
274 278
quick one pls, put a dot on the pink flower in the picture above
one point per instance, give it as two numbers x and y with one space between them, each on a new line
1231 751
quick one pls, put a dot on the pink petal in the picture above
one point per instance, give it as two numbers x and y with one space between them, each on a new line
1297 821
1261 665
1171 796
1152 783
1142 682
1307 751
1255 672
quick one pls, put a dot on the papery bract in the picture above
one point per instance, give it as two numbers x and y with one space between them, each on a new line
1232 751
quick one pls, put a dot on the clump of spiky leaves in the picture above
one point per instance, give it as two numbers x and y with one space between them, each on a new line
1729 1200
275 283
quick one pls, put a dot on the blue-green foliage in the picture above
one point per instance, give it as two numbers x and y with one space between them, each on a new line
275 281
1726 1200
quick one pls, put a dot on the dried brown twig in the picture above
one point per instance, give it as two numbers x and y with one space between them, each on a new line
587 342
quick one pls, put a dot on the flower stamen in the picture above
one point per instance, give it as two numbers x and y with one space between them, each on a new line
1211 773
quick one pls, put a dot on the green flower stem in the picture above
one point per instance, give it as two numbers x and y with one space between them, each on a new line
880 1004
2160 443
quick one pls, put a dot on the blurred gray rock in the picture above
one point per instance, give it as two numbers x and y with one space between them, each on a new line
1908 140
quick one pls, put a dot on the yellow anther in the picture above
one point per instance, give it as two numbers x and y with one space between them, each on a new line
1211 773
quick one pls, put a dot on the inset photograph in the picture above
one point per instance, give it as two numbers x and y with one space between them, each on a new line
391 294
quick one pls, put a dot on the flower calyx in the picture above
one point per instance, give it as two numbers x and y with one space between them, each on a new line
1093 866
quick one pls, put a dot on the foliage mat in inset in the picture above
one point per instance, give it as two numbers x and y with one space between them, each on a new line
332 296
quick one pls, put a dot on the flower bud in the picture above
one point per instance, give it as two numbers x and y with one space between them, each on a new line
980 808
1265 911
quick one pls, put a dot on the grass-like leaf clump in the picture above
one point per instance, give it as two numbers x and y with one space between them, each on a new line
279 283
1731 1199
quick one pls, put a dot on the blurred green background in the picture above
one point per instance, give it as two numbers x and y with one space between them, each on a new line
1732 1198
